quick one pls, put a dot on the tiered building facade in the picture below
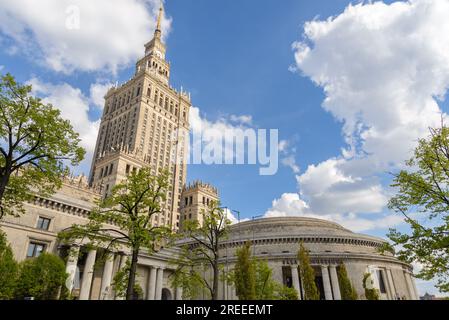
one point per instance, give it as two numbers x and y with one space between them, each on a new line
145 122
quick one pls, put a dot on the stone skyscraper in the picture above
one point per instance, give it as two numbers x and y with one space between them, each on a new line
145 122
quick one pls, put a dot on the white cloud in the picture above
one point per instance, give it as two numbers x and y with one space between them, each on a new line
382 68
110 35
290 162
213 133
74 106
242 119
97 93
1 67
291 204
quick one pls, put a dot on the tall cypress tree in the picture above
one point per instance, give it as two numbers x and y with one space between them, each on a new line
307 275
245 274
346 289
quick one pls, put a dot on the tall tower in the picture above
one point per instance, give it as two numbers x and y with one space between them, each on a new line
145 122
196 198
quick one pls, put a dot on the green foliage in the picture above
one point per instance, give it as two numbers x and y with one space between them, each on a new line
124 218
9 269
307 275
371 293
201 253
120 283
36 146
285 293
42 278
347 291
258 276
423 199
245 274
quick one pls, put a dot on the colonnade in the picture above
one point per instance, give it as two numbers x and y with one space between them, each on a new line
330 282
154 283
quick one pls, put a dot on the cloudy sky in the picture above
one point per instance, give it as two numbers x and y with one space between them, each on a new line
350 87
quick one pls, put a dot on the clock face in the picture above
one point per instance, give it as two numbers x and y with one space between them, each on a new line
158 53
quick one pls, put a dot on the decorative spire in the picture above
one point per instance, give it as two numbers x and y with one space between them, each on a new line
158 31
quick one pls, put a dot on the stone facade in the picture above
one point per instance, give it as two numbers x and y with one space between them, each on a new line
195 201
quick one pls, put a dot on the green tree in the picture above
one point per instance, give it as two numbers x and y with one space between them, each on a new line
423 198
120 283
36 146
42 278
201 253
267 288
307 275
245 274
347 291
124 218
371 293
285 293
8 269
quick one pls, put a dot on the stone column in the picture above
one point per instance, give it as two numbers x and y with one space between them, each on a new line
391 285
225 290
334 281
178 293
72 261
87 275
159 279
121 264
410 286
152 284
326 283
105 292
295 280
383 274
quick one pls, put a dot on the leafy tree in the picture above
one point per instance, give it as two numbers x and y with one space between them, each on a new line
307 275
124 218
423 199
42 278
201 254
36 146
8 269
120 283
265 288
371 293
245 274
285 293
347 291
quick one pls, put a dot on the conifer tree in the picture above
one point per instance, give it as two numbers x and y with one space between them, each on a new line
307 275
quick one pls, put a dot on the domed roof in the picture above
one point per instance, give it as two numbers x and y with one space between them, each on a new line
294 226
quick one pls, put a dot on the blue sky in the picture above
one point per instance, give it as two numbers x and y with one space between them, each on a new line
258 58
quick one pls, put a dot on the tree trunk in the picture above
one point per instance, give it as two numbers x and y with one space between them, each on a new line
132 275
4 179
216 278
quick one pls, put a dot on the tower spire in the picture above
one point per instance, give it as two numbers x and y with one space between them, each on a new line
158 31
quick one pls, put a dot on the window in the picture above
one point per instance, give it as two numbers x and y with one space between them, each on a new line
43 223
127 169
35 249
380 277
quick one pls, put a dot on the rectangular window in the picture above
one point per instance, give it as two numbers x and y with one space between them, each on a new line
382 287
43 223
127 168
35 249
